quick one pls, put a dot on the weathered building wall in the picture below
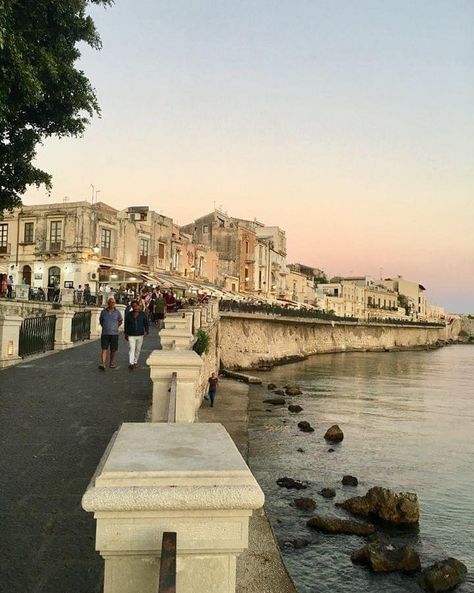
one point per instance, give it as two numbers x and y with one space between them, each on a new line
248 341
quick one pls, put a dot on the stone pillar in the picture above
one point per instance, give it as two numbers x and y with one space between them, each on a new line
169 477
197 319
96 329
215 309
62 337
121 308
175 321
67 296
187 365
189 316
176 339
22 292
9 339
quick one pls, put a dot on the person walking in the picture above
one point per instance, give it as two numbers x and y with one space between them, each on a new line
136 327
212 381
110 319
10 287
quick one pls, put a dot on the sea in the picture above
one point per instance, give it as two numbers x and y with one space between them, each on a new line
408 423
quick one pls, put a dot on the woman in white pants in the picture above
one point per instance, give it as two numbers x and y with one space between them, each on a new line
136 327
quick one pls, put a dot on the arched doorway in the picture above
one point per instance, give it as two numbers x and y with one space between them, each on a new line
27 275
54 276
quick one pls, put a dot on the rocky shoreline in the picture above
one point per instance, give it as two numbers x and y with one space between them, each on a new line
376 511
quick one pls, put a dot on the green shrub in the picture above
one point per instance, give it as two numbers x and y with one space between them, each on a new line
201 345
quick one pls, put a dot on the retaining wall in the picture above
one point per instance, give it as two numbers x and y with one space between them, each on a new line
250 340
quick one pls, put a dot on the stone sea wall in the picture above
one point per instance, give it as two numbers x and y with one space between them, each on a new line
211 359
250 341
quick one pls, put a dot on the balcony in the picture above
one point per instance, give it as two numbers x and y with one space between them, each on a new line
107 252
5 249
55 246
249 259
143 260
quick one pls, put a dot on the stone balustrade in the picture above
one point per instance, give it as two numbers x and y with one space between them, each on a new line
188 479
9 339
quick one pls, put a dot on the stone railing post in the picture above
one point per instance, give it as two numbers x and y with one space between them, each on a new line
62 336
197 319
9 339
187 365
121 308
157 478
96 329
189 316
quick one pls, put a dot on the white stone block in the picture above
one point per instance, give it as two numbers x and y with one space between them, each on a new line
62 336
187 366
170 477
9 339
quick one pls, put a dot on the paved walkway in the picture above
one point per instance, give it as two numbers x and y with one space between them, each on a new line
57 415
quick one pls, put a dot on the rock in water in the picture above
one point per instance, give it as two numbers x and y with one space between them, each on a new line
327 525
443 576
327 493
305 504
305 426
275 401
300 450
399 509
271 386
300 542
382 556
295 408
290 483
350 481
334 434
293 390
278 392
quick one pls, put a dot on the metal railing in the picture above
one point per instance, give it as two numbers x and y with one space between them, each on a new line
36 335
81 326
167 582
266 309
172 403
276 310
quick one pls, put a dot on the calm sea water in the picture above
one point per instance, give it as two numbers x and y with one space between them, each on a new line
408 422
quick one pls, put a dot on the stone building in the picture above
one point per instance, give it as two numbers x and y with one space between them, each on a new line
73 243
234 241
414 293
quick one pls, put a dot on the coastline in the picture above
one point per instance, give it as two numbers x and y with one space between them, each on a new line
260 569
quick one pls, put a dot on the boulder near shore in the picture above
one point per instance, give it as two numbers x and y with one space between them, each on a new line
334 434
271 386
382 556
327 493
305 504
350 481
344 526
293 389
305 426
383 503
275 401
295 408
443 576
290 483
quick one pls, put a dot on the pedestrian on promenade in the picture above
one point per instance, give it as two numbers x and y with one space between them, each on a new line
212 381
136 327
10 286
110 319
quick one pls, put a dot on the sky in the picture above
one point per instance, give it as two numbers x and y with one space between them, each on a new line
348 124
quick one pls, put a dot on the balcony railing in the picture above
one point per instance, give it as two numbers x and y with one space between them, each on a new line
143 260
5 249
107 252
54 246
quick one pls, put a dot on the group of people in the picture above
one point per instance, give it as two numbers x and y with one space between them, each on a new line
137 326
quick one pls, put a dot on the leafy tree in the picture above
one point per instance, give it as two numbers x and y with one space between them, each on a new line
42 93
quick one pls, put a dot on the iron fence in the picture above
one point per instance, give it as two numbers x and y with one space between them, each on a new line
81 326
267 309
36 335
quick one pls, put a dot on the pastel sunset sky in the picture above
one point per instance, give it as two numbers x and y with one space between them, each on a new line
348 124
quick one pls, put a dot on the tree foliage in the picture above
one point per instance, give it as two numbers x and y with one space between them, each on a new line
42 93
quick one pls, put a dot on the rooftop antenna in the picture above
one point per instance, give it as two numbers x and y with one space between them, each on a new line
65 199
93 193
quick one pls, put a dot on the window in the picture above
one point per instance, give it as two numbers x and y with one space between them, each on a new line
3 238
205 228
28 234
161 254
55 235
144 246
105 242
247 248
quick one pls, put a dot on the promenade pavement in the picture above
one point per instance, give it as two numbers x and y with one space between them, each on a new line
57 415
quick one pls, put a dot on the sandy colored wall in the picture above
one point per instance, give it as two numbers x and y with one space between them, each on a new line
249 341
211 360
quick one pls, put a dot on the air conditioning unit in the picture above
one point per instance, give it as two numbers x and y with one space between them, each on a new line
93 276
